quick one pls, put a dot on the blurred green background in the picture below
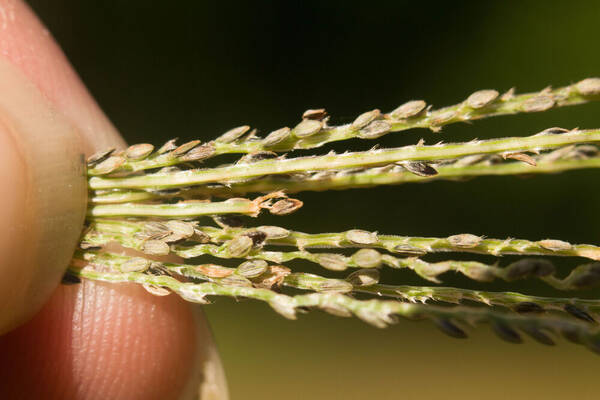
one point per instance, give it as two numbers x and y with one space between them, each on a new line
194 69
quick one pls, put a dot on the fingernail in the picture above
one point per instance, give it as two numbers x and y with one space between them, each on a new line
42 199
207 379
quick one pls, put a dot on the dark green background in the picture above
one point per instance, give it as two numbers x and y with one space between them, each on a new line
194 69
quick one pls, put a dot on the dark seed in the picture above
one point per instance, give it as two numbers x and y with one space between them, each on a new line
588 151
555 131
571 333
420 168
158 270
529 267
589 277
450 329
506 333
578 313
257 237
258 156
594 344
88 246
318 114
70 279
229 221
528 307
539 335
479 273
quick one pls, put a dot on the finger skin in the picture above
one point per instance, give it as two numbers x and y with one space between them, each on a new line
64 354
92 340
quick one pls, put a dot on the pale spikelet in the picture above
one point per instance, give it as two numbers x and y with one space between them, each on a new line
307 127
139 151
285 206
99 156
365 119
589 86
199 153
233 134
277 136
409 109
184 148
252 268
334 262
109 165
465 240
555 245
367 258
137 264
274 232
213 270
539 103
482 98
364 277
239 246
156 290
155 248
361 237
375 129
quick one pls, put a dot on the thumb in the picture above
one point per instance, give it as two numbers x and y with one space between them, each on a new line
43 203
93 340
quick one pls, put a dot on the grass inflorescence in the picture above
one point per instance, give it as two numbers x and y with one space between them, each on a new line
147 203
